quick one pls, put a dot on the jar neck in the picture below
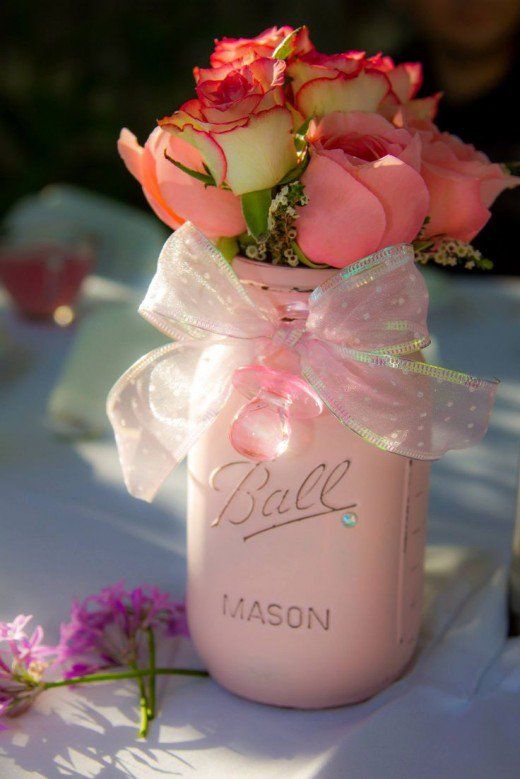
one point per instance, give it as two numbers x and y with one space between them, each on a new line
282 284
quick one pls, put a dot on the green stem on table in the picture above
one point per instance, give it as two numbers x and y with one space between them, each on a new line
152 681
109 677
143 708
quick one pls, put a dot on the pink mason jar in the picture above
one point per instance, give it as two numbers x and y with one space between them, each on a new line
305 574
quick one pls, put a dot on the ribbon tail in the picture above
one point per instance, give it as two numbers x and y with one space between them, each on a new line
400 405
163 404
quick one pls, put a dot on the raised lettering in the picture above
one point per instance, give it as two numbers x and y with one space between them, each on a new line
256 613
239 609
277 616
332 480
239 494
324 624
299 617
308 485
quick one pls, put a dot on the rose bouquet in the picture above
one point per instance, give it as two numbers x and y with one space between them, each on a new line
295 157
303 188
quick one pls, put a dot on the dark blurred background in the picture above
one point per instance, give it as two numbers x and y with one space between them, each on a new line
73 73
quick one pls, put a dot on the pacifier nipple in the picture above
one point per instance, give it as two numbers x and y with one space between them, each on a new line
261 429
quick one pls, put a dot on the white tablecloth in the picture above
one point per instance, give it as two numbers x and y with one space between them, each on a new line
68 528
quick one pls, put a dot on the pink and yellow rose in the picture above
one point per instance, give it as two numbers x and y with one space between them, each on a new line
239 124
322 84
245 50
364 186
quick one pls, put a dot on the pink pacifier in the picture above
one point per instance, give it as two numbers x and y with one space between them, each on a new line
262 428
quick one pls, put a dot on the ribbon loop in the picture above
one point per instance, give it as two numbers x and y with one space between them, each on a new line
195 290
379 304
399 404
164 403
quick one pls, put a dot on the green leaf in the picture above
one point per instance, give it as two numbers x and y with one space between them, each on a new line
296 172
228 247
303 258
285 48
420 246
485 264
512 167
255 207
302 129
206 178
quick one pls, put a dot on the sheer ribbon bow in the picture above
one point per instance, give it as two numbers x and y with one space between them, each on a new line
350 348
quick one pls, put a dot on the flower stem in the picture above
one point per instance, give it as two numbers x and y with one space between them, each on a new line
108 677
152 681
143 707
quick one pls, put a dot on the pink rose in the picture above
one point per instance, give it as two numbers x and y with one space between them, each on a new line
462 183
364 187
176 196
239 124
324 83
232 50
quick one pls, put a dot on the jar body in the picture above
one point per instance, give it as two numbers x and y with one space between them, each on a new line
305 573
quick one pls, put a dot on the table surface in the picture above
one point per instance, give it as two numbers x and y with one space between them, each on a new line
68 527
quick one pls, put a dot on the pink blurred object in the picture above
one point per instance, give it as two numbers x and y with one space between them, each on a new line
262 428
305 574
43 279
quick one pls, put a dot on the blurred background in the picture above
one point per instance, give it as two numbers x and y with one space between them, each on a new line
73 73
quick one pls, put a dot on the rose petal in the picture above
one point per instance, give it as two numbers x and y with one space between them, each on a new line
456 207
362 93
402 193
495 183
411 154
208 148
130 152
422 109
239 110
154 145
217 212
302 72
406 80
259 153
343 221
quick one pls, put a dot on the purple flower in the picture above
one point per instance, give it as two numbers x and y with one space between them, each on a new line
13 631
110 629
22 663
